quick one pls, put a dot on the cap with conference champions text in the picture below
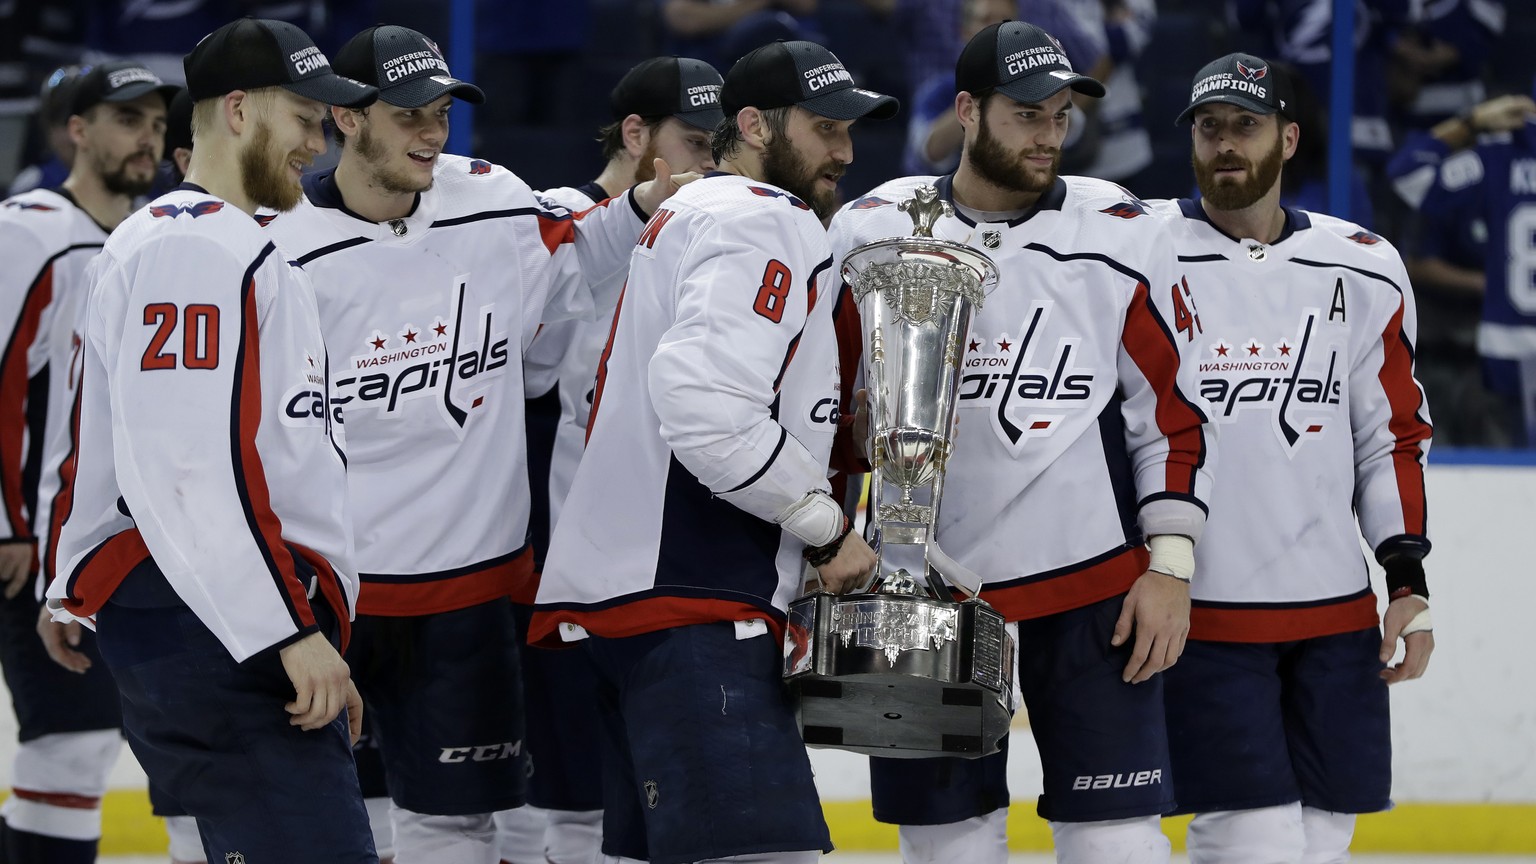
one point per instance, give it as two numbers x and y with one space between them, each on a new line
781 74
1020 61
1242 80
407 67
678 87
122 81
253 53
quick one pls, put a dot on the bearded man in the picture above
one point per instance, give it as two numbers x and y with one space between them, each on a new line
1078 486
1278 715
202 525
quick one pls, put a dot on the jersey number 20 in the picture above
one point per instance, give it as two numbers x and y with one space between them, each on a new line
199 336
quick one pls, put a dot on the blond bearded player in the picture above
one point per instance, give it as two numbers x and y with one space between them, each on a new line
202 527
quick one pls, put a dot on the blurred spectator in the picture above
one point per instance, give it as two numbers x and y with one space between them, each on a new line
1472 180
720 32
933 132
52 122
928 38
1438 63
1124 27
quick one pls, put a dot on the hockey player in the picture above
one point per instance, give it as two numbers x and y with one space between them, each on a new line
1302 340
433 274
1079 447
70 723
706 476
665 107
202 524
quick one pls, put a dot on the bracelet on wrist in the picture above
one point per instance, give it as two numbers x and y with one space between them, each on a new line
816 556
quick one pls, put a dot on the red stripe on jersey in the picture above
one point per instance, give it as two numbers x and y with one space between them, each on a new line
1408 431
58 799
64 501
330 588
13 400
400 599
602 363
555 232
645 616
1070 590
103 570
1217 624
1148 343
251 478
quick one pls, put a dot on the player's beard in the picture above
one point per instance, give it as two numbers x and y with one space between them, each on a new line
1009 170
122 180
784 168
380 175
1256 182
264 173
645 169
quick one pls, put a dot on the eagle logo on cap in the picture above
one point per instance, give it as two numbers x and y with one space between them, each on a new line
433 45
1250 73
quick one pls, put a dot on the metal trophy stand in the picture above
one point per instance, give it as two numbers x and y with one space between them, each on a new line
903 669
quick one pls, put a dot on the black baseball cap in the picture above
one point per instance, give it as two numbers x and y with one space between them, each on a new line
1020 61
678 87
406 66
253 53
781 74
120 81
178 123
1242 80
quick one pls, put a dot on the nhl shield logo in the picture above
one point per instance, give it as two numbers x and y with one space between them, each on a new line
651 794
991 239
234 858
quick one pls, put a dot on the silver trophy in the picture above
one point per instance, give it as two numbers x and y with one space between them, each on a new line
903 669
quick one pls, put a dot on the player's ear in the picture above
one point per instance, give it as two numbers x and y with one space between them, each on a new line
238 109
76 128
753 127
1290 138
636 133
967 109
346 120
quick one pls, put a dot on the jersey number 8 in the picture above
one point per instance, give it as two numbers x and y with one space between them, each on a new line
772 295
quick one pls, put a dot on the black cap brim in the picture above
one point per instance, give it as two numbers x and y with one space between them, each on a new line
1247 103
425 90
333 89
1034 89
706 120
853 103
134 91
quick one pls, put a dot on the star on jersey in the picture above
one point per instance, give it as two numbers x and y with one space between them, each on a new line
1300 386
1023 392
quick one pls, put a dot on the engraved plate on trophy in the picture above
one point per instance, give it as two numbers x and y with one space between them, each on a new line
904 670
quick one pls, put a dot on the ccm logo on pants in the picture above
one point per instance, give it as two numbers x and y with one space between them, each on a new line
482 753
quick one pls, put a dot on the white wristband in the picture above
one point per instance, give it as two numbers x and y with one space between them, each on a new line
1174 555
1419 622
816 519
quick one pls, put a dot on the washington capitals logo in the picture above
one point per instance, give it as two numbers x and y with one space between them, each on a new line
1126 209
1251 73
201 208
869 202
265 219
432 45
1365 238
774 193
23 205
479 166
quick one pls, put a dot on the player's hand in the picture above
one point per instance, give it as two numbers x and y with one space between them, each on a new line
852 566
16 565
61 640
1416 646
651 193
354 712
1157 611
861 423
1503 113
321 681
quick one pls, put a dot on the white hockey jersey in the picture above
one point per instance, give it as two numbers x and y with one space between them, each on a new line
713 414
203 448
1077 431
568 352
46 241
1304 353
427 328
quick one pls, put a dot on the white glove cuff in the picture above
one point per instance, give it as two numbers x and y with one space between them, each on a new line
1420 621
816 519
1173 554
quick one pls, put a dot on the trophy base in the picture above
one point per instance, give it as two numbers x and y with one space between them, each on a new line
899 676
